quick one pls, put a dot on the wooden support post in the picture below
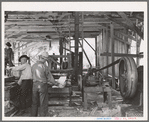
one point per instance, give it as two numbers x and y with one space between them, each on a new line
82 34
80 63
61 50
96 52
126 39
70 93
107 48
104 49
112 53
64 49
137 50
69 60
83 84
137 46
76 44
85 101
18 50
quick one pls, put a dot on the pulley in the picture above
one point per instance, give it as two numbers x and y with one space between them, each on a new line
128 77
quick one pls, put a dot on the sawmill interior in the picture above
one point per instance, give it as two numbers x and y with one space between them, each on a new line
105 83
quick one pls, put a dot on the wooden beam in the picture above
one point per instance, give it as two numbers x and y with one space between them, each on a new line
90 45
69 59
61 49
118 22
42 23
112 53
125 25
122 55
80 63
32 40
126 39
23 45
76 44
86 55
58 56
96 89
116 38
67 49
61 70
131 24
86 19
95 27
126 35
96 51
104 49
107 47
20 37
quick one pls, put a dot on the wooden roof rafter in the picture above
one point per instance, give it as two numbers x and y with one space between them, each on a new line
131 24
60 24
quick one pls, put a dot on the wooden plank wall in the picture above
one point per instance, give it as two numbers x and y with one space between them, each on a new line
102 46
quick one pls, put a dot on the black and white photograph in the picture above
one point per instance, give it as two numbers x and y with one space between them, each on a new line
74 61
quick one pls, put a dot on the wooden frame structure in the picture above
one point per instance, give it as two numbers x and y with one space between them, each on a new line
117 28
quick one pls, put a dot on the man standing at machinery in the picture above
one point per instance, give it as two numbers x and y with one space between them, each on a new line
41 77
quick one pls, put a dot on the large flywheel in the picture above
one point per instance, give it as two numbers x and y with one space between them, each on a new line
128 77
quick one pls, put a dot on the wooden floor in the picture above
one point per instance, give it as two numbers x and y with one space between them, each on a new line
95 109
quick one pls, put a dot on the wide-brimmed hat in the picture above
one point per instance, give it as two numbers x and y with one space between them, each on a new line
8 44
23 56
44 55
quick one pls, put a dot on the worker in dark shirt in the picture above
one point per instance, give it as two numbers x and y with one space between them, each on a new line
9 56
53 64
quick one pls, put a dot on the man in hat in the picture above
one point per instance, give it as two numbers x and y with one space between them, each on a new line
41 77
9 56
25 81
